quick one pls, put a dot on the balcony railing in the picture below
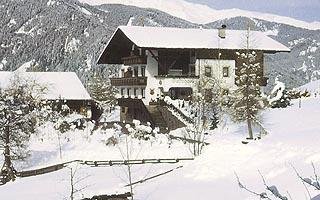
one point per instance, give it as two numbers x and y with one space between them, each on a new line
133 60
184 76
129 81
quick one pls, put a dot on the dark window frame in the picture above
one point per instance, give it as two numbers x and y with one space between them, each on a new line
135 92
143 70
225 71
143 93
209 72
122 92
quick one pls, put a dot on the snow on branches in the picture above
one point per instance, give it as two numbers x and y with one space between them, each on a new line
21 111
246 99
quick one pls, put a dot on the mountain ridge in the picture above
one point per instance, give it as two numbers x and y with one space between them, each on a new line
66 35
203 14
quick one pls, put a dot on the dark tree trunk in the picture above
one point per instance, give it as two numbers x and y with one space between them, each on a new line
7 171
250 129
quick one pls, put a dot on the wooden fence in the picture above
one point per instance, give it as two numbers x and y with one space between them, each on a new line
44 170
53 168
192 141
111 197
134 162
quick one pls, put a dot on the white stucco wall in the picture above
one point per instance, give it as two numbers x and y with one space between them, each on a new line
217 71
152 82
167 83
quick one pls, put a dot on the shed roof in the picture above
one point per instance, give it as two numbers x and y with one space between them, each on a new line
60 85
183 38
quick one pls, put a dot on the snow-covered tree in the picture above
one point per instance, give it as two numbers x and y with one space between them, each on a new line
279 97
205 110
125 144
103 93
247 100
21 111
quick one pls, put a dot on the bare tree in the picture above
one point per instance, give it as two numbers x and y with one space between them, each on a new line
273 190
128 152
312 181
75 181
205 109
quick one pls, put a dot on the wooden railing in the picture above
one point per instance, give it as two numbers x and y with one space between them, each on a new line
129 81
103 163
183 76
133 60
178 111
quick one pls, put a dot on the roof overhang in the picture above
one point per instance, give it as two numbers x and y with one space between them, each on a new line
120 44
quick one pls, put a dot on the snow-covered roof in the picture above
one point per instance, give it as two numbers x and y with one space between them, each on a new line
182 38
60 85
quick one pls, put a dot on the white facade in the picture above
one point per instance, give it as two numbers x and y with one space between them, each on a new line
223 71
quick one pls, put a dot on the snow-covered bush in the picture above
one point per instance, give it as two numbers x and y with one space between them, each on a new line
279 96
140 131
296 94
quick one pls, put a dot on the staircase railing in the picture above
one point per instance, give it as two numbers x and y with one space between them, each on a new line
176 110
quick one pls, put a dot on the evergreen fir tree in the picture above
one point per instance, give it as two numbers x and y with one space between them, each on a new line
247 100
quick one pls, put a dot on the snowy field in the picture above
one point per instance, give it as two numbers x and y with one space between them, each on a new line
293 141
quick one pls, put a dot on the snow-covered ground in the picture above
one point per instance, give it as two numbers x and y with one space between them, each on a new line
313 87
293 140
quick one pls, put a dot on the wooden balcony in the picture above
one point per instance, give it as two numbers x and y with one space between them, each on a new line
134 60
131 81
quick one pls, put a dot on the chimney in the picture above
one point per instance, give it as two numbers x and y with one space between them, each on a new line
222 31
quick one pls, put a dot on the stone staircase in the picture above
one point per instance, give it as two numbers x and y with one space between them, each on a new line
157 118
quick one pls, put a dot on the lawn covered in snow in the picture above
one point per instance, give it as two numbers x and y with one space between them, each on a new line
293 140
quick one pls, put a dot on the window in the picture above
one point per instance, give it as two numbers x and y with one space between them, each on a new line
122 92
135 72
122 73
192 57
135 92
123 109
143 71
143 93
208 95
225 71
207 71
128 92
128 73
